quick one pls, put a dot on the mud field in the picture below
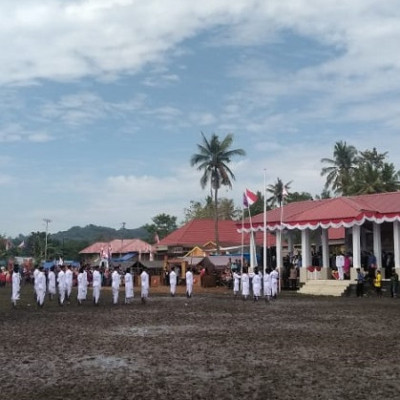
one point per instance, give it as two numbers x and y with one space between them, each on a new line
207 347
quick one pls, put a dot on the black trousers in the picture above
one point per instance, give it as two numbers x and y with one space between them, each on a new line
360 289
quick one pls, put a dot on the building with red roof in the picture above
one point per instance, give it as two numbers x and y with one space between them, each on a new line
105 251
372 223
201 233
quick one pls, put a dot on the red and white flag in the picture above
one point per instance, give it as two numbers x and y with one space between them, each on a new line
249 198
156 238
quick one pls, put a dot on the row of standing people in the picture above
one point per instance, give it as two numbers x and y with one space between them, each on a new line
376 282
60 285
268 283
63 282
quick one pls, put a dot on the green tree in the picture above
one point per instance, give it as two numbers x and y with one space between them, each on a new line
205 210
163 225
277 192
296 196
325 194
213 159
373 174
35 245
340 169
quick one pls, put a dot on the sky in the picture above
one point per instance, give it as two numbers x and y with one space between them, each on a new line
103 102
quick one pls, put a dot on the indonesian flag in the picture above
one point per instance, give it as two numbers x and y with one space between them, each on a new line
284 192
156 238
249 198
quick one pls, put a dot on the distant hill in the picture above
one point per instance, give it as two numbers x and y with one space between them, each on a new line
94 233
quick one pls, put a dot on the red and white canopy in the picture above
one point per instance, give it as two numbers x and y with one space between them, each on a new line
329 213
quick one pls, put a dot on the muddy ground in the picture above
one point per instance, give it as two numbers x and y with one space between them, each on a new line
207 347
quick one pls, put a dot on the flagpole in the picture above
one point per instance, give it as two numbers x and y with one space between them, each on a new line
280 242
241 261
265 227
251 243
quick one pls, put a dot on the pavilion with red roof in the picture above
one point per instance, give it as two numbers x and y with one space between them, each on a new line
360 216
200 232
103 251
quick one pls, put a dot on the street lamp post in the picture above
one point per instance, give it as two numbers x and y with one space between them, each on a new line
47 221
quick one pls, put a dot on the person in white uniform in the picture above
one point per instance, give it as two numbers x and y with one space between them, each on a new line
339 265
144 282
236 283
128 279
267 284
35 274
69 276
115 283
256 285
16 285
172 281
40 287
96 285
189 283
245 284
81 296
51 287
85 283
274 283
61 285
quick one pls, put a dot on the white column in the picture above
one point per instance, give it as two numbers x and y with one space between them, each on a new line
396 243
377 244
356 246
279 258
305 248
325 248
290 242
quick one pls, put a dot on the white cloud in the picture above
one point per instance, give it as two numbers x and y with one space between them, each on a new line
14 132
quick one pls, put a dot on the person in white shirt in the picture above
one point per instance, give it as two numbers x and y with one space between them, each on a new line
256 285
189 283
61 285
51 287
172 281
339 265
274 283
144 282
96 285
69 276
267 284
236 283
245 284
82 286
115 283
35 274
40 287
85 284
16 285
128 279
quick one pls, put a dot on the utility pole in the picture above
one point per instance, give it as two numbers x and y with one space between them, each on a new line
47 221
123 234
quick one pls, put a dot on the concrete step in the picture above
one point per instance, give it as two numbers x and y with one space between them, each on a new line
325 287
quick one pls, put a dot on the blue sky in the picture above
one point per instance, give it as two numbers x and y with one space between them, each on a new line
103 102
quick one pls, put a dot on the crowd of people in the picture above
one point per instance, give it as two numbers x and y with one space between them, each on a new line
261 285
57 284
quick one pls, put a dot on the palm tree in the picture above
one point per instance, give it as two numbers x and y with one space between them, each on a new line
374 174
340 171
277 192
213 159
